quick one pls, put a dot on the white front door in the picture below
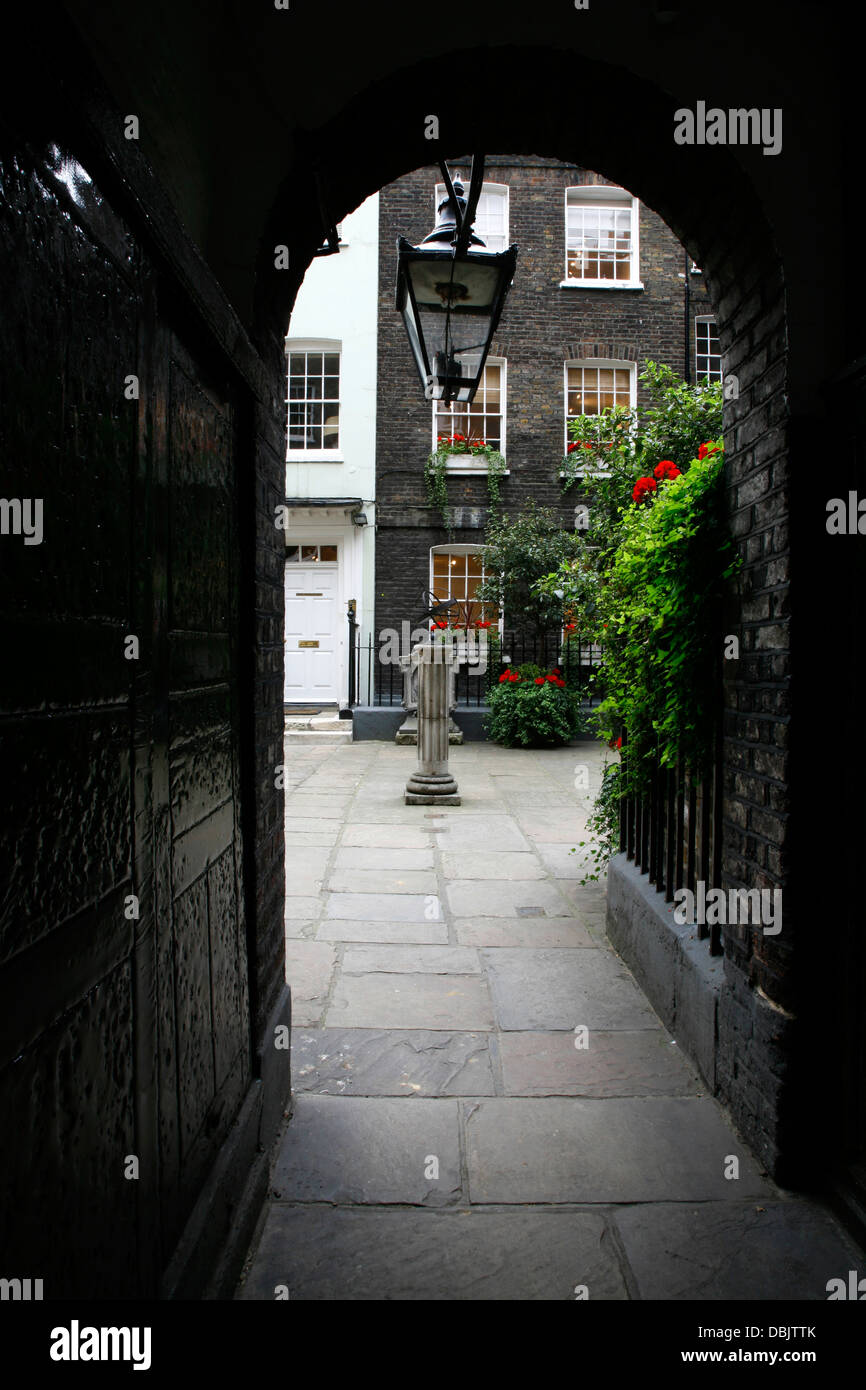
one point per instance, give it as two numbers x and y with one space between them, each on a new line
311 634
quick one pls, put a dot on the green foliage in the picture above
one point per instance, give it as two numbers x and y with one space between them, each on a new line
603 825
628 444
521 713
660 610
519 550
436 473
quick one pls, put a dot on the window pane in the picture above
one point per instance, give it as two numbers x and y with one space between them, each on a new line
440 565
309 552
292 553
332 363
328 552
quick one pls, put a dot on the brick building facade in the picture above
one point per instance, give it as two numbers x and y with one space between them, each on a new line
653 308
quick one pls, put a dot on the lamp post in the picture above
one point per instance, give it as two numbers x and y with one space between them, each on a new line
451 292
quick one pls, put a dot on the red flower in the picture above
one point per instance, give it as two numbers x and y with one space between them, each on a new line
571 448
708 448
587 446
666 469
618 743
539 680
570 627
503 677
642 488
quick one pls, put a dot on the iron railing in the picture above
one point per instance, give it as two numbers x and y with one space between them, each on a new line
377 681
673 832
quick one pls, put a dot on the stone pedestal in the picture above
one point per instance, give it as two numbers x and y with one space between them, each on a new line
408 730
431 783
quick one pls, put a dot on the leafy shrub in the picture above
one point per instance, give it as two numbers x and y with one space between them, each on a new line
661 615
518 550
532 711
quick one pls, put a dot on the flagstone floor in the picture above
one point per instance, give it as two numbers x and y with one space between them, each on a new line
485 1105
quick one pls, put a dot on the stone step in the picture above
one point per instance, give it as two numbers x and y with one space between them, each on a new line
343 735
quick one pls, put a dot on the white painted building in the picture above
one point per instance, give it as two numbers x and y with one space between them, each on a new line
331 462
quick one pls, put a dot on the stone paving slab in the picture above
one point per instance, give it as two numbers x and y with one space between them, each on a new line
653 1149
411 1001
643 1063
328 1254
785 1250
297 929
492 832
566 828
386 836
349 1149
316 808
433 960
388 859
547 990
307 906
309 825
391 1062
531 932
564 862
382 881
381 907
482 863
487 899
417 933
309 967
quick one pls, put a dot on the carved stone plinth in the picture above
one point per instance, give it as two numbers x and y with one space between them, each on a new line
431 782
408 730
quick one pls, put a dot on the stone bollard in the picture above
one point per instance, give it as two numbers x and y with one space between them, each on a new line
431 782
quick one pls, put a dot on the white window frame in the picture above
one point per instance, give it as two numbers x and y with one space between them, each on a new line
499 189
470 467
462 548
601 195
706 318
315 455
604 363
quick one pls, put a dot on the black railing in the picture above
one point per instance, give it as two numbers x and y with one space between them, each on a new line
673 832
376 678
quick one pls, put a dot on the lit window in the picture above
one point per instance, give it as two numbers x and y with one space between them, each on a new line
708 352
596 385
314 400
491 214
480 419
601 237
456 573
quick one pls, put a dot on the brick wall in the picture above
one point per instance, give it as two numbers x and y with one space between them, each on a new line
542 326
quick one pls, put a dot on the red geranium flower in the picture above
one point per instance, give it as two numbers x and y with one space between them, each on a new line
587 446
708 448
642 488
539 680
571 448
666 469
